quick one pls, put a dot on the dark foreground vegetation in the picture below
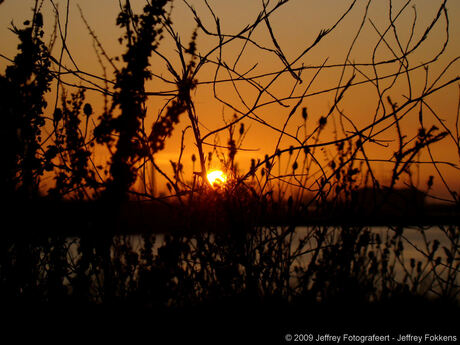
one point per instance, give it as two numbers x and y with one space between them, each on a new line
228 282
249 261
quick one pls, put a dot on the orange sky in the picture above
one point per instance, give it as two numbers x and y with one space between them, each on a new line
295 25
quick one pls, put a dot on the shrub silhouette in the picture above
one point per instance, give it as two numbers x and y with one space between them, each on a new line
22 102
141 39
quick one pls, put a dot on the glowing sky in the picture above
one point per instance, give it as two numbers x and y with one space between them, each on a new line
295 25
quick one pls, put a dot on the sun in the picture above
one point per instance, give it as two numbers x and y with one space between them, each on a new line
216 177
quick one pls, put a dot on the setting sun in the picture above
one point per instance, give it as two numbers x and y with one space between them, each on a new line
216 177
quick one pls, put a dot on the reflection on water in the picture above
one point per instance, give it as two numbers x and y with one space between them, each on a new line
416 253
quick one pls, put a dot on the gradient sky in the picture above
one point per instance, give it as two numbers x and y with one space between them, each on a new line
295 25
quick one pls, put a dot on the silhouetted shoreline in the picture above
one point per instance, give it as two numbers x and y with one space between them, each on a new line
136 217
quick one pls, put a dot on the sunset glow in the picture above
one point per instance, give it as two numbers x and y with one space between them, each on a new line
216 177
187 169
